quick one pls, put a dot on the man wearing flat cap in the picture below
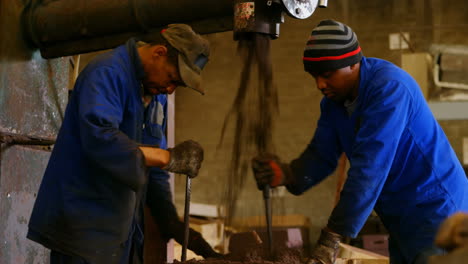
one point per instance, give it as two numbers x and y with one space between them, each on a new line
401 163
111 156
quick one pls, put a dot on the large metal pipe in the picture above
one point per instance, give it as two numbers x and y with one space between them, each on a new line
60 20
68 27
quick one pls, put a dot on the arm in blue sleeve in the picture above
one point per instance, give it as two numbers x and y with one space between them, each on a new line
382 124
102 99
318 160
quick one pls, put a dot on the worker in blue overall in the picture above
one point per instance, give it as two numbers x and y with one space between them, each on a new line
104 165
401 162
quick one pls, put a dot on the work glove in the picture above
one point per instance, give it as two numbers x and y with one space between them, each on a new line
453 232
268 170
198 244
185 158
326 250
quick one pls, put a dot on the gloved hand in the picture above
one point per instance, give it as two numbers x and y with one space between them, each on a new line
199 245
326 249
453 232
268 169
196 242
185 158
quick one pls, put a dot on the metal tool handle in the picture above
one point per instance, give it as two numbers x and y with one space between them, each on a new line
186 219
266 198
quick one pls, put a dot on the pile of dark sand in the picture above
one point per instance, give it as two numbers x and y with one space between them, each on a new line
256 256
248 248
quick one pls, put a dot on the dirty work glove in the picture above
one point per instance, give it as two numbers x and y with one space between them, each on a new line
326 249
453 232
196 242
185 158
199 245
268 169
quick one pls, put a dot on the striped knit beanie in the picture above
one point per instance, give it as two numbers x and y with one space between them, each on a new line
331 46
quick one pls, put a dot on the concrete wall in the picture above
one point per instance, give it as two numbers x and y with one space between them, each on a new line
33 94
201 117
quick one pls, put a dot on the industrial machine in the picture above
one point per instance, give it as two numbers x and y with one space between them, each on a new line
66 27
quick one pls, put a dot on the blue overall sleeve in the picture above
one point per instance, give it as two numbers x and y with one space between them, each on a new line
383 121
102 99
319 159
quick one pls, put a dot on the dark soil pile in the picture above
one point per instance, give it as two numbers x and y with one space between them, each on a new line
248 248
256 256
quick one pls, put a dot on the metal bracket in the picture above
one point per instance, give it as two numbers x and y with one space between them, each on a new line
300 9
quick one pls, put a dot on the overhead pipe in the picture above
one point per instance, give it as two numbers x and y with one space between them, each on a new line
69 27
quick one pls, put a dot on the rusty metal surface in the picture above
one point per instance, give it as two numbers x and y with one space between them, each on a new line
21 172
33 90
244 15
33 95
257 16
16 139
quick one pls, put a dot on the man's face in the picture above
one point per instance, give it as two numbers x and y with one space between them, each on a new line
337 85
162 76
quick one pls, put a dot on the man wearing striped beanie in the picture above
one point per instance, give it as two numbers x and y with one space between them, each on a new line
331 46
402 165
334 48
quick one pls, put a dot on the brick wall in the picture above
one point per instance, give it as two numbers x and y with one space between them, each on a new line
456 131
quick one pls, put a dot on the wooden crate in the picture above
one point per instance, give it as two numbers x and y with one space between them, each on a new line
353 255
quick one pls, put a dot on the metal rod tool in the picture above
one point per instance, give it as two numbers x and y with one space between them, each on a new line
186 219
266 198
